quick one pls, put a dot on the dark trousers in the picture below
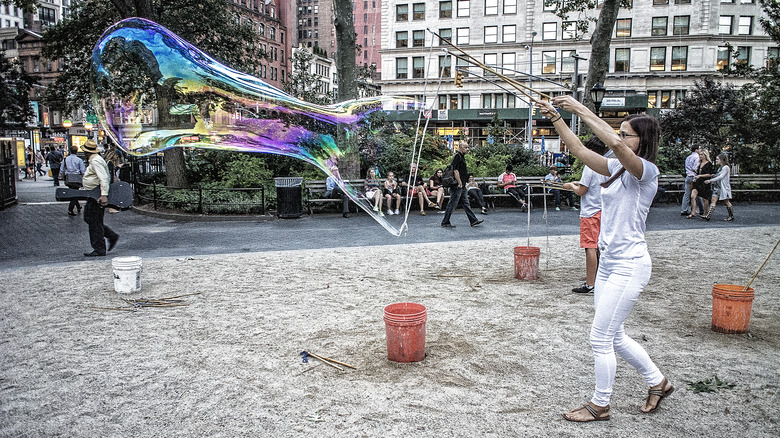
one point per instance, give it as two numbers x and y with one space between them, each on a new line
568 195
477 194
74 203
458 196
98 233
338 193
517 192
55 173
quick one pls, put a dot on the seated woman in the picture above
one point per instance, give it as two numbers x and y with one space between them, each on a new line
475 192
372 192
436 188
392 191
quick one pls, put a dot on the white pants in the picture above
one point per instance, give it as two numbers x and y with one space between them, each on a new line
618 284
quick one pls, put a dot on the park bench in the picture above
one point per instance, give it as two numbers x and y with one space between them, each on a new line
744 187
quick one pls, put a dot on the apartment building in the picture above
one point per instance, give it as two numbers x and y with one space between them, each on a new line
659 49
368 27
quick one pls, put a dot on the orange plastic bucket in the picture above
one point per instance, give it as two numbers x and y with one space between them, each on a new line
527 262
731 306
405 330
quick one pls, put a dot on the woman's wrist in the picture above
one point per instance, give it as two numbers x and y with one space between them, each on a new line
556 118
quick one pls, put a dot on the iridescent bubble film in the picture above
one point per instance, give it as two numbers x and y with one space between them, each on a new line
153 91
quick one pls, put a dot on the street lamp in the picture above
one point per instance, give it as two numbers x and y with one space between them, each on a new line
597 95
530 85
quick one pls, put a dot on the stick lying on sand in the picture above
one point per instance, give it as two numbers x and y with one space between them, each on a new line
147 302
328 361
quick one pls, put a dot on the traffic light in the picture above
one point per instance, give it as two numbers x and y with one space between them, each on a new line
458 79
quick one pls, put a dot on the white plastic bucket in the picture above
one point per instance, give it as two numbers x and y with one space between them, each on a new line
127 274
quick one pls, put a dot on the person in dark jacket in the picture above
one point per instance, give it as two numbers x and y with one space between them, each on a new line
458 195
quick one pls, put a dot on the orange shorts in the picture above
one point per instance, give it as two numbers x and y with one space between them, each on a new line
589 231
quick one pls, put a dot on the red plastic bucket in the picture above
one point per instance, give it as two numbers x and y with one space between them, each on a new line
527 262
405 329
731 306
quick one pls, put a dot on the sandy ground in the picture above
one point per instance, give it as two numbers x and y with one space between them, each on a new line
504 357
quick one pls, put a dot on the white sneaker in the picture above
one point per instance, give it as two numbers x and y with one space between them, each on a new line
381 214
397 212
376 208
390 212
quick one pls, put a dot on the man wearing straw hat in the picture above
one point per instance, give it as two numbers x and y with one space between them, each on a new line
97 175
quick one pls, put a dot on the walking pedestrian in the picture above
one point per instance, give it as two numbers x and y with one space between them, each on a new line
625 265
458 195
54 160
72 170
96 175
691 169
721 187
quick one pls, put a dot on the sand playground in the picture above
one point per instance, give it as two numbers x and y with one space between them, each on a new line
504 357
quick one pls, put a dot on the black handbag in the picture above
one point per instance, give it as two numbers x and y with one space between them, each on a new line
73 179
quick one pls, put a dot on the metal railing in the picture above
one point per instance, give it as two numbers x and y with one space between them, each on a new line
201 200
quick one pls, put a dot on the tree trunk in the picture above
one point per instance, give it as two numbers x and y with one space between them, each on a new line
599 43
349 164
175 168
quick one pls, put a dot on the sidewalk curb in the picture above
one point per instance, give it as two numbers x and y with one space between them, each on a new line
184 217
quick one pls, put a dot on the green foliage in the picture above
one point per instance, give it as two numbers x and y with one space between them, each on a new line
397 154
216 200
301 82
710 384
207 24
15 87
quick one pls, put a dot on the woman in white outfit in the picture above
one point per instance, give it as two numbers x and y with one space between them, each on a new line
721 187
625 266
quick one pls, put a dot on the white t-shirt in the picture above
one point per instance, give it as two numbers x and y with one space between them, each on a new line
590 202
625 204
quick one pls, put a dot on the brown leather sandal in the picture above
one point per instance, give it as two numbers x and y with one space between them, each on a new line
591 411
661 391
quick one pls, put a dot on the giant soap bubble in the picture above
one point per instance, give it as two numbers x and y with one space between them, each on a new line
153 91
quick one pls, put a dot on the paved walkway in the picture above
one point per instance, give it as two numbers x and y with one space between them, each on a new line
38 230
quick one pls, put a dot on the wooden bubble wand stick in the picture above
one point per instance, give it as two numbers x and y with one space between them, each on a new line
762 266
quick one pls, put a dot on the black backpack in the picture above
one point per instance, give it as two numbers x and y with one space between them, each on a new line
448 180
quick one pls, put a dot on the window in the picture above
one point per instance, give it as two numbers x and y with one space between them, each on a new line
724 54
508 61
548 62
47 16
745 26
491 34
442 101
491 59
454 101
772 57
658 58
622 60
652 98
660 2
464 7
491 7
567 61
401 68
724 24
462 65
679 58
666 97
418 11
569 30
487 101
682 2
445 35
418 38
510 101
660 24
465 101
402 13
509 33
402 39
462 36
445 69
549 31
445 9
499 98
549 7
681 25
623 27
510 7
418 67
743 55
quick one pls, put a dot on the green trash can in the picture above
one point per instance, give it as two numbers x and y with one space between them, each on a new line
288 197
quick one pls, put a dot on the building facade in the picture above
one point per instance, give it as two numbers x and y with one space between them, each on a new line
659 49
368 27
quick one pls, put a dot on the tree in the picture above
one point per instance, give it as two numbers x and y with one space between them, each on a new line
349 165
301 82
601 38
207 24
15 85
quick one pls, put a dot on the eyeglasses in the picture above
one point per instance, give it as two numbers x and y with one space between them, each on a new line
623 135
